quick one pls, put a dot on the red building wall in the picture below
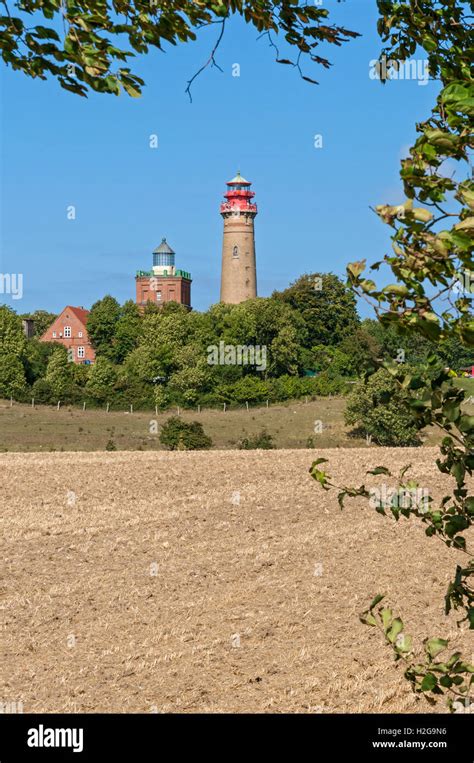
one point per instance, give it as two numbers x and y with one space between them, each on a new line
74 319
161 289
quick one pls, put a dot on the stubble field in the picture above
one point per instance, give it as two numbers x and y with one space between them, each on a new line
222 581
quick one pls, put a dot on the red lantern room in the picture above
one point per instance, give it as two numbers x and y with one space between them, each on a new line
239 197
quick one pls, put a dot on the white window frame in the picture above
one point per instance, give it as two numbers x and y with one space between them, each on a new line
80 335
54 335
67 332
81 352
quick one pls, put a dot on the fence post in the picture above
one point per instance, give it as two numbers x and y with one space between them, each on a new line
32 402
247 404
84 406
267 403
11 402
224 407
131 409
59 405
108 406
156 410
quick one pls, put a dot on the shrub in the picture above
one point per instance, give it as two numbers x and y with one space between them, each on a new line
179 435
111 445
377 407
42 392
260 441
251 389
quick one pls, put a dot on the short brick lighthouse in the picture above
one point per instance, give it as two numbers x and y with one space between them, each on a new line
165 282
239 272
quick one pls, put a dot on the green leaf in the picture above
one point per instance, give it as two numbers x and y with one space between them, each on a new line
446 681
451 410
375 601
406 644
429 682
397 627
356 268
133 91
386 616
368 619
398 289
434 646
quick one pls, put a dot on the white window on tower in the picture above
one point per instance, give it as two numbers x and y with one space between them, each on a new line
81 353
67 332
235 252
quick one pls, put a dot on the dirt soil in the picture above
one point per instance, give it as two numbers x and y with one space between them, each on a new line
211 581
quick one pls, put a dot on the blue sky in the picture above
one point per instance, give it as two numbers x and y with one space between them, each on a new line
60 150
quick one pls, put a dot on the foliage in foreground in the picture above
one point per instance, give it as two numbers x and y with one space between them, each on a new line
87 45
429 263
450 677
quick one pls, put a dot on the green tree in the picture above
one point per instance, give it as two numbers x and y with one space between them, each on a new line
59 374
36 357
326 305
149 364
102 324
377 407
170 326
258 322
12 376
87 45
102 379
285 352
42 320
334 362
128 331
192 376
12 338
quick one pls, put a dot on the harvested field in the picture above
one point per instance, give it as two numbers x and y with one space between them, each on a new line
210 581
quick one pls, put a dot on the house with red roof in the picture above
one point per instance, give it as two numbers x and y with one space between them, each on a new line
69 329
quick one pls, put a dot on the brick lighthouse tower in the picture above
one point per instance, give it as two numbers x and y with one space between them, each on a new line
239 272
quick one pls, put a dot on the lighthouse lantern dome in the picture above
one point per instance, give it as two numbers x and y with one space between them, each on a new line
163 255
